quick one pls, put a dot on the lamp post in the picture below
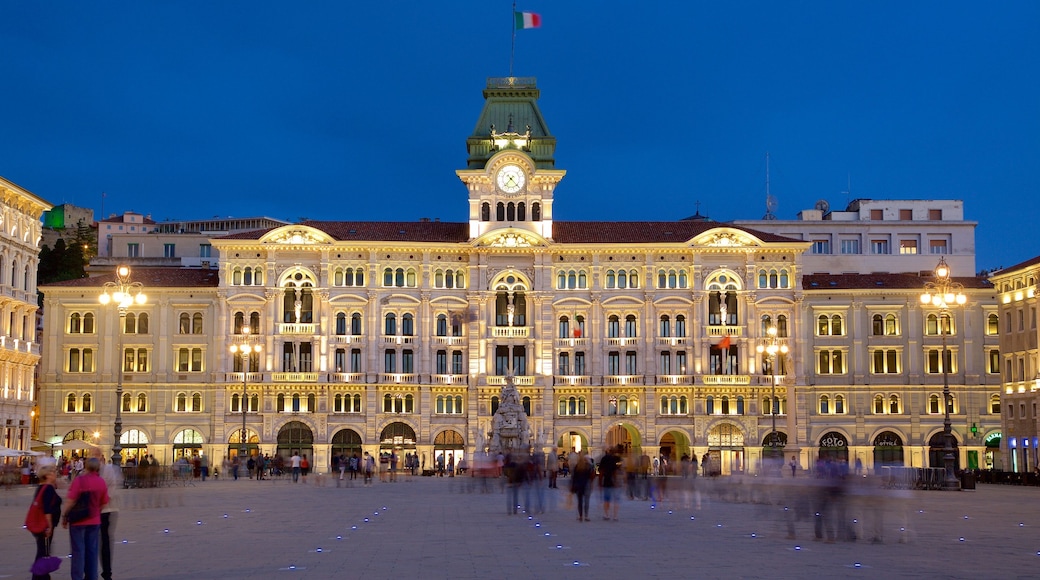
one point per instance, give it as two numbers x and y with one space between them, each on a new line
245 349
773 350
944 294
124 294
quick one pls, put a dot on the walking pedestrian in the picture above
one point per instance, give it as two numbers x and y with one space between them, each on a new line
84 534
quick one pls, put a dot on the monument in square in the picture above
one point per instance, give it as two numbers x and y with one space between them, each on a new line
510 432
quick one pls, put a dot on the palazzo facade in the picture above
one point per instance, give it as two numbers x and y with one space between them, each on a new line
375 336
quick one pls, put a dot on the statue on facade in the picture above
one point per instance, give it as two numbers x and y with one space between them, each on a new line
510 432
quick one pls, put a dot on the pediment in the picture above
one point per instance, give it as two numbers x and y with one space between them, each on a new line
296 235
726 238
509 238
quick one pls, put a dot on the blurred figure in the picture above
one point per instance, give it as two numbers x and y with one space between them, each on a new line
84 534
51 503
113 476
553 467
581 479
609 466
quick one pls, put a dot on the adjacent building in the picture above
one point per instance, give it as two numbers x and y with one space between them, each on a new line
399 335
20 234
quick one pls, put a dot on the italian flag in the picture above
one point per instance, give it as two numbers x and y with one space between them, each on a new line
527 20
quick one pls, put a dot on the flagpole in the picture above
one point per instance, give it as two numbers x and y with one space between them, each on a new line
512 43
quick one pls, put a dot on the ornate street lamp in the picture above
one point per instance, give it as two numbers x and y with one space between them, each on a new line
124 294
944 294
246 350
773 349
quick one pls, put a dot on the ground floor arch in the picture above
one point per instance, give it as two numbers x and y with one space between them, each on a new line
135 445
625 436
187 443
448 451
936 444
397 435
235 443
725 450
674 445
888 450
572 441
834 447
295 437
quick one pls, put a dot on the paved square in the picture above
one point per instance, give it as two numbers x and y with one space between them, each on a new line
435 528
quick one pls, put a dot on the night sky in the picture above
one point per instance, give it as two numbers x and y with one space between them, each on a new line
343 110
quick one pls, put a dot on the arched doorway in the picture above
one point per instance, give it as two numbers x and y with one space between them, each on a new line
834 447
773 452
235 443
295 437
992 450
626 436
395 436
346 442
572 441
135 445
187 443
725 450
448 449
935 451
674 445
888 450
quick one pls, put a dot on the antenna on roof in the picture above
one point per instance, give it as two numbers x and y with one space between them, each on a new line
848 190
770 200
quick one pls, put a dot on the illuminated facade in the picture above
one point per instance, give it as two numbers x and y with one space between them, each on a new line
20 232
380 335
1018 361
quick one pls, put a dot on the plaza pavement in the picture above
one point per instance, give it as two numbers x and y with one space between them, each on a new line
429 528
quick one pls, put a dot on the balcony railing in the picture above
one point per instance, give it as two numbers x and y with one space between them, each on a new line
402 378
623 341
667 341
726 379
294 377
725 330
623 380
347 377
675 379
19 345
572 342
346 339
518 381
767 380
398 339
449 379
237 377
449 340
510 331
297 328
580 380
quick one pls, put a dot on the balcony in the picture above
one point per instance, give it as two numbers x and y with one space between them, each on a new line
611 380
731 331
572 343
346 339
19 345
675 379
767 380
297 328
449 340
250 377
623 341
449 379
524 381
510 331
730 380
294 377
399 378
347 377
578 380
398 339
667 341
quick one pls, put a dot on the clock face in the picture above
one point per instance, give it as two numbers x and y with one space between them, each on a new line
511 179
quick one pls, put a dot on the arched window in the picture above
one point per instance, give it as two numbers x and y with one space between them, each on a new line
565 327
992 324
536 212
341 323
839 404
740 405
893 404
680 326
485 212
879 404
390 325
784 279
87 403
613 326
825 404
781 326
665 327
500 212
631 327
709 405
142 403
75 323
355 324
407 325
933 404
442 325
70 403
196 402
182 403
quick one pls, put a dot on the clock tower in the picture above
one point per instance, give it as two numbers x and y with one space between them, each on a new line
510 171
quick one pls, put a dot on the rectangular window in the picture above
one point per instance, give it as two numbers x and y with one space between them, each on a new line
680 362
341 360
937 246
205 250
907 246
564 364
133 250
169 251
885 362
877 215
442 362
630 363
182 360
935 215
614 363
390 361
196 360
879 246
407 362
850 246
457 366
355 360
906 215
579 363
821 246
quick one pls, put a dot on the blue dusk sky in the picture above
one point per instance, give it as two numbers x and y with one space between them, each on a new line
360 110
